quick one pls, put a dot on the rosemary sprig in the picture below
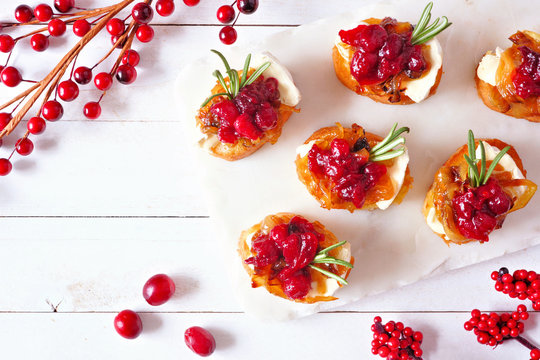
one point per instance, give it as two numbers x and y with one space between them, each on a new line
322 257
422 32
477 178
386 149
236 82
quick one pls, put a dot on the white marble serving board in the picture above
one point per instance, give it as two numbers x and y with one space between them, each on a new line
395 247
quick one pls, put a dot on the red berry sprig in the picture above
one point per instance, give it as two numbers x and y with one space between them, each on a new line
493 329
227 15
394 341
522 284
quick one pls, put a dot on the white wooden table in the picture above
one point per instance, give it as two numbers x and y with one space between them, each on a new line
100 206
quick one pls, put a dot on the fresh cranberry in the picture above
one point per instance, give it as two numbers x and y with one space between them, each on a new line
126 74
24 146
103 81
266 117
226 112
297 285
57 27
52 110
200 340
23 13
227 134
115 27
6 43
11 77
82 75
81 27
142 13
526 79
145 33
64 5
128 324
227 35
165 7
225 14
68 90
5 118
43 12
131 57
39 42
92 110
158 289
5 167
245 127
36 125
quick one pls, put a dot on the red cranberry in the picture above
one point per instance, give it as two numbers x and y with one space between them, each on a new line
11 77
43 12
68 90
24 146
52 110
247 6
535 354
227 134
158 289
226 112
81 27
5 167
266 117
128 324
392 47
200 340
225 14
115 27
526 79
363 67
245 127
103 81
191 2
227 35
36 125
39 42
92 110
142 13
82 75
64 5
297 285
126 74
57 27
371 38
266 250
165 7
5 118
145 33
23 13
131 57
6 43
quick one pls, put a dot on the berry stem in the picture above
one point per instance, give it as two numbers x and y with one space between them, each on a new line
525 342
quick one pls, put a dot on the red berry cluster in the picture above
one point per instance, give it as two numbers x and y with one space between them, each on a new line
492 329
226 15
522 284
394 341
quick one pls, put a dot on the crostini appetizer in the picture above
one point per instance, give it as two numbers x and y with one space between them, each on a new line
509 81
475 189
348 168
295 259
247 108
391 62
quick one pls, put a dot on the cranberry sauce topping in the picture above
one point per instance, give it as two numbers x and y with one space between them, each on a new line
478 211
382 53
289 249
351 172
526 79
250 113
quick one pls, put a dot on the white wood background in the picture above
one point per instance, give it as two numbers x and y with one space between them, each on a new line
100 206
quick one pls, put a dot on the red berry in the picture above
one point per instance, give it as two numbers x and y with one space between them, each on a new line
247 6
522 308
158 289
11 77
191 2
128 324
165 7
24 146
5 167
495 275
507 278
57 27
103 81
68 90
475 313
82 75
142 13
131 57
115 41
64 5
126 74
225 14
36 125
200 341
39 42
6 43
52 110
23 13
377 319
92 110
145 33
245 127
5 118
81 27
116 27
383 351
43 12
227 35
535 354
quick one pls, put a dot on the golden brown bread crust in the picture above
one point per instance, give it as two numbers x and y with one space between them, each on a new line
273 285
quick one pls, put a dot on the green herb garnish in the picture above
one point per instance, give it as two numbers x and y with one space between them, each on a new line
477 178
322 257
236 83
422 32
386 149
